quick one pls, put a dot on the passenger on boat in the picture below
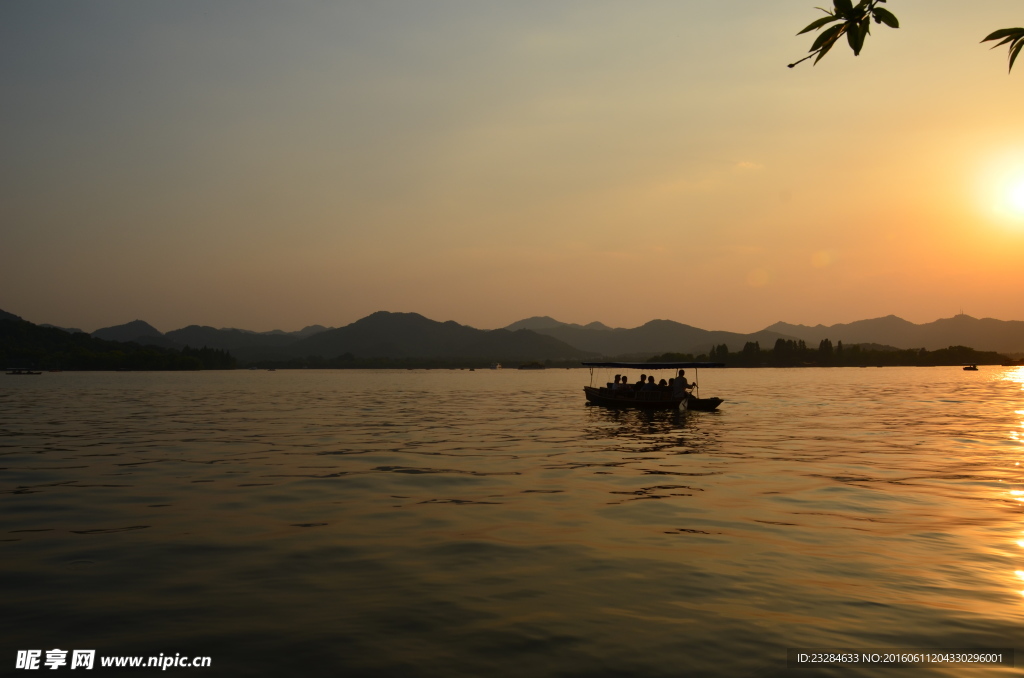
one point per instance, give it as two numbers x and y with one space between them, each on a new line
615 386
662 384
681 387
640 384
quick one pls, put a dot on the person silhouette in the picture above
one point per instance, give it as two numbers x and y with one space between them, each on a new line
681 388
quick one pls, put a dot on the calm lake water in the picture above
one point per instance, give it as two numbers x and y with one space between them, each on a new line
489 523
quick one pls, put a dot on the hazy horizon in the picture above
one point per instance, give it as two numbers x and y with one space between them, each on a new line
261 166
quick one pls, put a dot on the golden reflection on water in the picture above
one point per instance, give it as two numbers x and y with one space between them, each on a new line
1017 376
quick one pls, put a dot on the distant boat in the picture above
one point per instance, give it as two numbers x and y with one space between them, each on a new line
20 372
658 399
495 366
970 368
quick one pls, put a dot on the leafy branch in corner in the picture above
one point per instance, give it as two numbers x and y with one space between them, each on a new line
1012 36
854 21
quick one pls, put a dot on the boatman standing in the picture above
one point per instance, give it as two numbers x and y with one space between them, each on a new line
680 387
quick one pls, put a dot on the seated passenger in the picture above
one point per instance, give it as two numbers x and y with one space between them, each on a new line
640 384
649 386
662 385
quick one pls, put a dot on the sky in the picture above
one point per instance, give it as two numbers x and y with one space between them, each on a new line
265 165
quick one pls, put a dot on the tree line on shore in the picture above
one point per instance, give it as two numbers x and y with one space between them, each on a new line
790 353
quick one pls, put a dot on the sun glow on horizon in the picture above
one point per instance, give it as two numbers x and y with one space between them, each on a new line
1004 186
1015 197
997 175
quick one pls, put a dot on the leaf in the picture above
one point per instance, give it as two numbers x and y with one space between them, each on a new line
1009 39
819 23
830 35
1012 36
1014 51
886 17
855 35
1002 33
828 45
824 51
855 38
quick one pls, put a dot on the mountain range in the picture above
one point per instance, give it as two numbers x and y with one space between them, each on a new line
656 336
984 334
379 335
410 335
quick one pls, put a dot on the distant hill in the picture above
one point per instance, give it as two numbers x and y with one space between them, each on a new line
138 331
985 334
543 322
309 330
411 335
242 344
69 330
24 344
654 337
4 315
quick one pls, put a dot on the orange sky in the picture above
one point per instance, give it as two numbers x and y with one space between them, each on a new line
244 164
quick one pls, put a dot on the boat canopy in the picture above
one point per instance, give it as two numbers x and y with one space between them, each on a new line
654 366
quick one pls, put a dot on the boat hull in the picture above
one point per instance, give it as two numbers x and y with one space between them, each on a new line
703 404
649 400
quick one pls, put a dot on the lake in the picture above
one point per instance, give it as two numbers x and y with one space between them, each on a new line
490 523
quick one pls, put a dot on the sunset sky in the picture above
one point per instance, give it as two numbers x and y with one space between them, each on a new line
241 163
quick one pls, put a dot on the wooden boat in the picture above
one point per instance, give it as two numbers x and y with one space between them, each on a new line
20 372
970 368
658 399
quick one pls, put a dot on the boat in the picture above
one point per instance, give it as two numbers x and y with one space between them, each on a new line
970 368
659 399
20 372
